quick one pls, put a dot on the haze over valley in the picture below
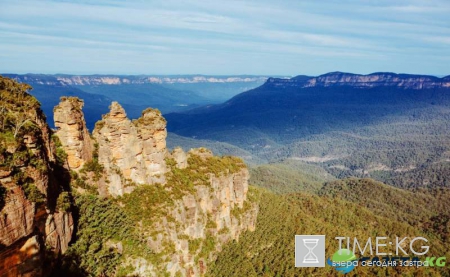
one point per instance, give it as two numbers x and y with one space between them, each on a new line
305 140
224 138
167 93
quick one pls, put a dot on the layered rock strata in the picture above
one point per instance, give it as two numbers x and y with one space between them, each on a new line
132 153
33 229
380 79
72 131
215 211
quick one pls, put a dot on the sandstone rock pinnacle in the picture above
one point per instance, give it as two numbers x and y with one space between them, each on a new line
131 152
72 131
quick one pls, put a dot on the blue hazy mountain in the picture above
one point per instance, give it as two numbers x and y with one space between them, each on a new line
135 93
283 110
380 124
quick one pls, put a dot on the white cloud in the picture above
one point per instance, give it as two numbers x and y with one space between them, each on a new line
243 30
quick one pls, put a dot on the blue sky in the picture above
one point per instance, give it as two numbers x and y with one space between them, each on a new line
225 37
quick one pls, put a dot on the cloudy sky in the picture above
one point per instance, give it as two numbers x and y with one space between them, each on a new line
287 37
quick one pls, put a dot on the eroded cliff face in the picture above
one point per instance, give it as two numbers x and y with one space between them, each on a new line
119 80
382 79
132 153
213 216
32 226
72 131
198 202
201 221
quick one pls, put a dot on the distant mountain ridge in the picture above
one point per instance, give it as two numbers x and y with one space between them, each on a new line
168 93
381 124
364 81
80 80
280 104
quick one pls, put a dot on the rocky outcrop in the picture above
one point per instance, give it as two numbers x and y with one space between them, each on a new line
382 79
192 226
179 157
200 223
32 227
72 131
200 200
131 152
208 214
152 131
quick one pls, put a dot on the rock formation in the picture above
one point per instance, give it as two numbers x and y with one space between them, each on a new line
381 79
204 202
208 214
216 209
131 152
32 226
180 157
72 131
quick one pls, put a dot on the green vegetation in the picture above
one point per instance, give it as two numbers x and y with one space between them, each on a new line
148 203
8 141
17 107
397 135
147 121
93 165
81 181
439 225
108 233
409 149
91 172
132 218
33 194
208 246
194 245
415 208
218 148
21 137
428 175
61 155
289 176
269 250
63 203
101 225
252 198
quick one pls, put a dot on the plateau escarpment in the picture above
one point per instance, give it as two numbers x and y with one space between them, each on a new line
35 210
135 93
182 207
381 79
374 125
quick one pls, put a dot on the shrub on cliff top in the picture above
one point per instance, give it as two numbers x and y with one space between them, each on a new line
17 107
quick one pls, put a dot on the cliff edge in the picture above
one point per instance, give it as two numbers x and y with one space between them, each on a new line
36 221
180 208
